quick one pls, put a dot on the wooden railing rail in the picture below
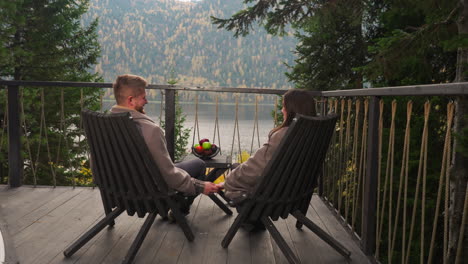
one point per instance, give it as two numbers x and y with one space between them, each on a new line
14 127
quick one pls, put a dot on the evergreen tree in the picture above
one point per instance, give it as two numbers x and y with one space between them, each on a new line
182 134
44 40
416 45
273 14
459 168
410 42
331 47
419 45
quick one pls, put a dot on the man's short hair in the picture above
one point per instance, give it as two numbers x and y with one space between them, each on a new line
128 85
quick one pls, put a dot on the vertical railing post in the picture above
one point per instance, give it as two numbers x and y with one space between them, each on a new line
170 116
15 164
370 182
323 112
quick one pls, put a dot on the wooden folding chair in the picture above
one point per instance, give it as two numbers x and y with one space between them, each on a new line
127 177
288 183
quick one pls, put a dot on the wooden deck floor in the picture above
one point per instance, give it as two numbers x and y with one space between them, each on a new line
39 223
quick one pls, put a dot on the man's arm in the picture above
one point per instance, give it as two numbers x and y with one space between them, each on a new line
175 178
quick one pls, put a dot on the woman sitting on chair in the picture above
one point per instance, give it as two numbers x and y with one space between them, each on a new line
241 181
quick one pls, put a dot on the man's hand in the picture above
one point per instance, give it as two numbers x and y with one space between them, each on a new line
210 188
220 185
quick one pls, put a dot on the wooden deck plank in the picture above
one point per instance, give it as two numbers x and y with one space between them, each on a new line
218 226
48 237
337 230
239 249
99 247
261 249
284 231
211 224
171 247
60 213
108 240
6 192
48 205
25 199
310 246
61 217
117 253
194 252
174 241
153 241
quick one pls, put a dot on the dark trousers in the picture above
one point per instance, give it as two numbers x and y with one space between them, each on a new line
196 168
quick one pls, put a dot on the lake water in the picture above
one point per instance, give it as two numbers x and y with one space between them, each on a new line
226 118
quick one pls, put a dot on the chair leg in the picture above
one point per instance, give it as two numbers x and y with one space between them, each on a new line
233 230
298 225
182 222
221 193
214 174
322 234
220 204
279 240
139 239
107 207
303 209
92 232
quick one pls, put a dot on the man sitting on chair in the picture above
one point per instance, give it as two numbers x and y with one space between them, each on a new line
130 95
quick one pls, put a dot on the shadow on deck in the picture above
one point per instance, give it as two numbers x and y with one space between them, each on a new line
39 223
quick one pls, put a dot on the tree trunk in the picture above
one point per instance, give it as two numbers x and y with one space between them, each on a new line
459 169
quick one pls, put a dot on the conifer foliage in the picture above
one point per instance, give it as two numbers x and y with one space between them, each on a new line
44 40
354 43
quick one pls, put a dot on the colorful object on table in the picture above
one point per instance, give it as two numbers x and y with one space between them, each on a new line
206 145
204 149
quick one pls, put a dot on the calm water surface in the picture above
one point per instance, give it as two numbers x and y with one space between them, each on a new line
226 118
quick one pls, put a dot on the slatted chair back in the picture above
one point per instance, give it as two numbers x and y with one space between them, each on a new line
290 177
288 182
128 179
122 165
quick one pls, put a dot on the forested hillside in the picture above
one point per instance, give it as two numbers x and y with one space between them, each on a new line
153 38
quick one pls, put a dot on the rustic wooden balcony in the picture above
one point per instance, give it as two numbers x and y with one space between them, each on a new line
38 223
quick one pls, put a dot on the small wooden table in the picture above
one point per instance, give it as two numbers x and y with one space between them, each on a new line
219 165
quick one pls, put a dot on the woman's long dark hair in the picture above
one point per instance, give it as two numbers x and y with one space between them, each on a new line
296 101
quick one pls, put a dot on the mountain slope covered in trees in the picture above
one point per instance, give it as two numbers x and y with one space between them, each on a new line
153 38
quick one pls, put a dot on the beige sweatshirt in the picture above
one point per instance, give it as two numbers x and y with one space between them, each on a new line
153 135
242 180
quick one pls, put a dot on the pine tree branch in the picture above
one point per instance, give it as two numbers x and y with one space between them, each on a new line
409 40
450 18
276 14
